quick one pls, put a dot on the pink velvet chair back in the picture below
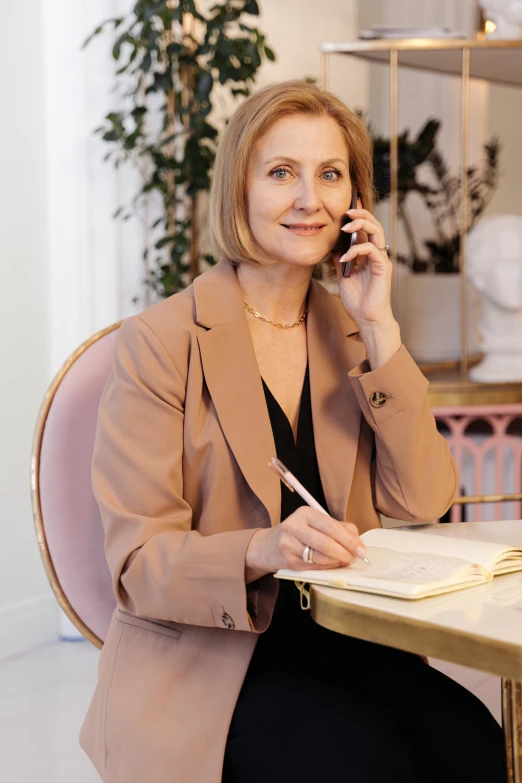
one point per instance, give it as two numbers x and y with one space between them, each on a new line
67 518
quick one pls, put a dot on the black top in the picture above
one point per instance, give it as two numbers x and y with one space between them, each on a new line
289 622
298 456
316 704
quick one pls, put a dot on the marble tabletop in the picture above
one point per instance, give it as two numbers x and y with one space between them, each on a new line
479 627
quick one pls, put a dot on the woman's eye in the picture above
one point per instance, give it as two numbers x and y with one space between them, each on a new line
279 173
282 173
332 175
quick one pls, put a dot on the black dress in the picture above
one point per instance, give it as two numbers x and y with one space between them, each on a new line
316 705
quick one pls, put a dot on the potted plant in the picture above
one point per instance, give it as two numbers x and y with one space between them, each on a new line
431 317
171 55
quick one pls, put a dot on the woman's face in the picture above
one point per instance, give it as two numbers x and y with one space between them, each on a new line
298 189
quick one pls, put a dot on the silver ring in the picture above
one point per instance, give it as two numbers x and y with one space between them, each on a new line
311 555
384 249
306 554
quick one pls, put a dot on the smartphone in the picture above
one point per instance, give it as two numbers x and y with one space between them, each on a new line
346 241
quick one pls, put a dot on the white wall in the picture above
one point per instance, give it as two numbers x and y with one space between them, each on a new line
504 118
296 28
27 608
63 275
68 268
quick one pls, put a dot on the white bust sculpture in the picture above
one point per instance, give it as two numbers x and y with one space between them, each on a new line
506 14
494 267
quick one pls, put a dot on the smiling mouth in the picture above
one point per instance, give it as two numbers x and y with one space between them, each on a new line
303 227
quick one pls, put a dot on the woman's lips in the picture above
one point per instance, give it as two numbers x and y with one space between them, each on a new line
304 231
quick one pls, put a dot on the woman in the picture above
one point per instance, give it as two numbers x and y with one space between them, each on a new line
209 673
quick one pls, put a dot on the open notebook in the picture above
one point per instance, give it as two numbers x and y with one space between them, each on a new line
416 565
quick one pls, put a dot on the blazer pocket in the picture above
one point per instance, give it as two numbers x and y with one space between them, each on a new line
156 626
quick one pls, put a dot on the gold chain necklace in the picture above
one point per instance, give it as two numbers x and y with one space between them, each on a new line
268 321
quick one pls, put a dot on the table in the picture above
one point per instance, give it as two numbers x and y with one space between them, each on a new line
479 627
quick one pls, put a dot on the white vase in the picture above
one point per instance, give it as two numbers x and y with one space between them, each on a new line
431 317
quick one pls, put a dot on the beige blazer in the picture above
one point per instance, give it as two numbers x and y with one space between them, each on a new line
181 478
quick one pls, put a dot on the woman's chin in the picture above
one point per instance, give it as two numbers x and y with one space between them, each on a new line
307 259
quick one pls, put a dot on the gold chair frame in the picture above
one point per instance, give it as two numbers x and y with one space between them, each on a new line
35 485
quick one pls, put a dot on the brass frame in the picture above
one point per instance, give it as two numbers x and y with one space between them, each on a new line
511 688
411 44
512 726
35 484
468 499
446 395
393 47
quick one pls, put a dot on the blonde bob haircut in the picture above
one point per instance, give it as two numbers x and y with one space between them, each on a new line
228 208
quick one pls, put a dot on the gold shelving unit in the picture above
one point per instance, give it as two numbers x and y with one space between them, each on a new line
496 61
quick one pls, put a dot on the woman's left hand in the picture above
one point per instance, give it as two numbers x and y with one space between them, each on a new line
366 293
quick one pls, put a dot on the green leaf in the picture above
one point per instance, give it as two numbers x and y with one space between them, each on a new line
96 32
116 49
166 240
270 54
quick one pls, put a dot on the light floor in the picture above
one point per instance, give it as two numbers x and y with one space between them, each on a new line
44 695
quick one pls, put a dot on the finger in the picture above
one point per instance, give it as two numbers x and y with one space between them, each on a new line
309 514
354 530
362 213
372 230
320 560
340 533
326 547
343 536
308 535
379 261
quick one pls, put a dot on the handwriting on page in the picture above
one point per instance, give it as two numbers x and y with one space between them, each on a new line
407 567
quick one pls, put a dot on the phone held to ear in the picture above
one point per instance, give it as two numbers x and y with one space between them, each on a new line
346 241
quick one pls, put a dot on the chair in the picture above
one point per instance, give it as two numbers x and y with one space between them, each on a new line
67 519
486 442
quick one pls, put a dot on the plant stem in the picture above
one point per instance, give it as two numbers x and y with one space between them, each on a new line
171 113
194 244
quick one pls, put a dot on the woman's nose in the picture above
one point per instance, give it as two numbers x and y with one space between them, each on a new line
307 197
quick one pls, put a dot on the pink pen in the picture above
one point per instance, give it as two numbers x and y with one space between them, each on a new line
290 481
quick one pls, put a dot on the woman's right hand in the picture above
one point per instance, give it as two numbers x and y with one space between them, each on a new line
334 543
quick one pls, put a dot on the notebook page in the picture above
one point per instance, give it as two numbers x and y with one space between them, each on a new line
416 568
394 572
484 553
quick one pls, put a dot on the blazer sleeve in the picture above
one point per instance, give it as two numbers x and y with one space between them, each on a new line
416 477
161 568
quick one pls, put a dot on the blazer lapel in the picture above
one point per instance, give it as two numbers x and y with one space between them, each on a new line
333 350
234 382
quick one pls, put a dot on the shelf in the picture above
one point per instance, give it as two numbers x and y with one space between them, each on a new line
446 394
494 60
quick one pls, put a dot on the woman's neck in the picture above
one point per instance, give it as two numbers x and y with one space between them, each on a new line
277 292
